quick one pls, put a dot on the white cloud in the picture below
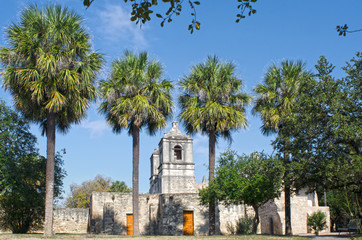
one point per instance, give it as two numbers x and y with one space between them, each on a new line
96 128
202 150
201 144
200 139
115 25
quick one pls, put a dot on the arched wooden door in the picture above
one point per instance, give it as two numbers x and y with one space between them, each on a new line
188 227
130 224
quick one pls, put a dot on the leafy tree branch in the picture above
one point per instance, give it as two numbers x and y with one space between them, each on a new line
142 10
343 29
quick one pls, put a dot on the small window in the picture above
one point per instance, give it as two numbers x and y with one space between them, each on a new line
178 152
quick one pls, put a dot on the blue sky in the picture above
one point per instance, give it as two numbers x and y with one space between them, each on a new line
282 29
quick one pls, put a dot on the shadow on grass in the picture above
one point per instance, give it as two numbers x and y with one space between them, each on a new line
105 237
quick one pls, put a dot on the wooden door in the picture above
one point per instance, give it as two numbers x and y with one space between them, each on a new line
188 227
130 224
271 225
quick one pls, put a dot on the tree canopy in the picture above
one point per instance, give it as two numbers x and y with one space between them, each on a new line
50 70
49 66
119 186
22 175
325 141
80 194
250 179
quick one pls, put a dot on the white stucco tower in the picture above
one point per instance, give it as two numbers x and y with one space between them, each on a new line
172 166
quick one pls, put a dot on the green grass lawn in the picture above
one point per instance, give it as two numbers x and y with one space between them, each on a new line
104 237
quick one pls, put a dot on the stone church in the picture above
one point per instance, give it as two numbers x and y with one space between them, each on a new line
172 206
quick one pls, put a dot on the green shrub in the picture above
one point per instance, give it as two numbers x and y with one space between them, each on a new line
231 228
244 225
317 221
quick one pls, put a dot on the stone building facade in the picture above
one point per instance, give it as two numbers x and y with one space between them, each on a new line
303 204
172 206
172 195
172 165
160 214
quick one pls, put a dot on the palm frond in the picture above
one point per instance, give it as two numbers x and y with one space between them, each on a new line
212 100
277 95
135 95
49 65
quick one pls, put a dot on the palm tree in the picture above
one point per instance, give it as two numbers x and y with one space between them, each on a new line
134 97
50 71
276 97
212 104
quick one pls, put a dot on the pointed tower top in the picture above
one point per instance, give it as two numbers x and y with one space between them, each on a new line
175 132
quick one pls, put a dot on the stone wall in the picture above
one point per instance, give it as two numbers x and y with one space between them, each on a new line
272 214
67 220
172 207
109 211
70 220
162 214
177 184
230 215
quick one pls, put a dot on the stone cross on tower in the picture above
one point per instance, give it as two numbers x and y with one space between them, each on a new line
172 167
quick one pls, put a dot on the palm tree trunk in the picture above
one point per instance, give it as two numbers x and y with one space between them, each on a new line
135 179
212 141
49 179
255 220
288 224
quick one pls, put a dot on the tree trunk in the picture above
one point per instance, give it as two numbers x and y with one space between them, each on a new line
325 197
255 220
135 180
288 224
49 181
212 141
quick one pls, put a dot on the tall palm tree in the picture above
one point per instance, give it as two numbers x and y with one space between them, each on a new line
276 97
134 97
213 104
50 70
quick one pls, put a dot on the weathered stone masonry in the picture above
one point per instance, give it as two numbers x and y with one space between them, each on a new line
172 166
173 191
71 220
161 213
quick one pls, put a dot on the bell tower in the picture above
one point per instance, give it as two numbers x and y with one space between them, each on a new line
172 166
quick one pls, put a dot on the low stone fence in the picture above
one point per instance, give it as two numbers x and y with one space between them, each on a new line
70 220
